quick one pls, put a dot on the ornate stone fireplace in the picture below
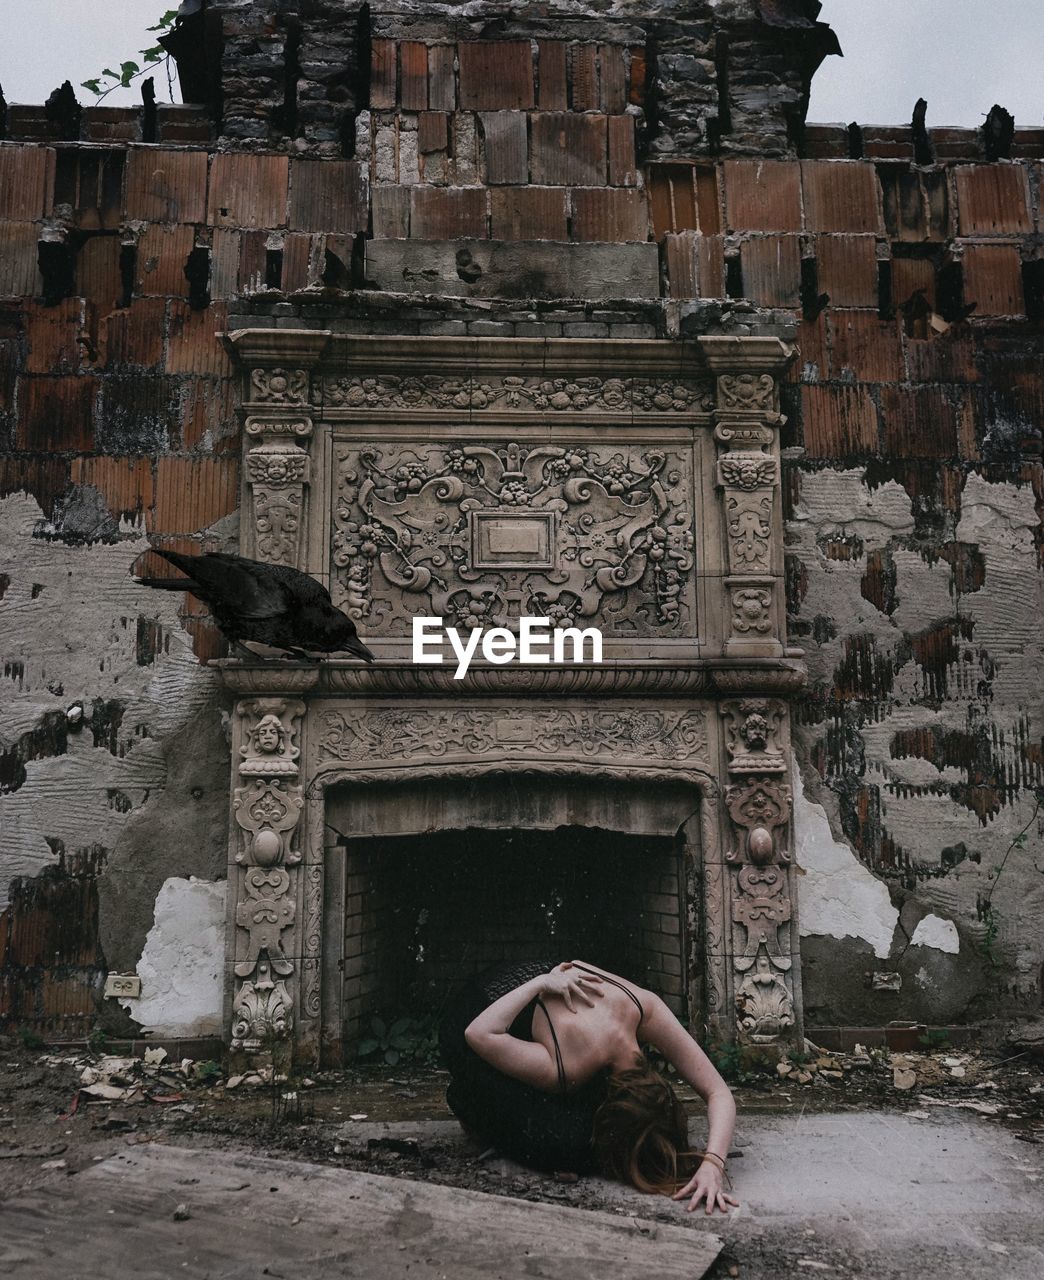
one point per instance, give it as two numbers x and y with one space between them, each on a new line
628 486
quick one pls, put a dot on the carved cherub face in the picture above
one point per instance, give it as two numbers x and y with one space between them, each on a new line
269 735
755 731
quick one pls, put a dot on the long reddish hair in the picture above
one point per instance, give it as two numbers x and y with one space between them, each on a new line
641 1132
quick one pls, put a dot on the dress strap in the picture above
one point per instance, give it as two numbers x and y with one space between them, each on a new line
626 990
558 1052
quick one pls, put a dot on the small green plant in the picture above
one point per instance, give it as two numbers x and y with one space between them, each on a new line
739 1064
208 1072
130 70
935 1038
798 1057
29 1039
97 1041
405 1039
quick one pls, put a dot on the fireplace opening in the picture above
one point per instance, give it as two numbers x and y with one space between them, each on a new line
425 912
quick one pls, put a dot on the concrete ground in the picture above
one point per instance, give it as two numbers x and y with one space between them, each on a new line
927 1194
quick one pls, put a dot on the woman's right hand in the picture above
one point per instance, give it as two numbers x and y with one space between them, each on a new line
572 984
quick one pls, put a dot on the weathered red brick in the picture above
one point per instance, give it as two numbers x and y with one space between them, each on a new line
248 190
56 414
813 362
506 150
695 265
193 493
90 182
54 336
762 195
865 348
382 75
551 75
391 212
992 198
208 409
771 267
448 213
98 275
613 77
19 249
636 90
112 124
609 214
993 280
623 171
847 269
328 195
442 84
529 213
568 149
840 195
124 483
26 180
134 335
192 342
944 357
838 421
45 477
432 131
495 74
166 185
297 254
918 422
583 77
162 254
910 276
413 76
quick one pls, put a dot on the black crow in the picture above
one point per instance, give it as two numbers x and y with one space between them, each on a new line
268 603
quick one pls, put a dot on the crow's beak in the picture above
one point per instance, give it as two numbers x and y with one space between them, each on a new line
359 649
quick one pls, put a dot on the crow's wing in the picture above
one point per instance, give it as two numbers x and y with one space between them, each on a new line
240 587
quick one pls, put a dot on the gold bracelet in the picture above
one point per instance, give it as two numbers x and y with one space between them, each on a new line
713 1156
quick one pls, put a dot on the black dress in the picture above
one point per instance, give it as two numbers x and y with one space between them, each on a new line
550 1131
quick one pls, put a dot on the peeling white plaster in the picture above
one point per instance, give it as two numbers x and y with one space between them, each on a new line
838 897
874 516
182 964
934 931
68 622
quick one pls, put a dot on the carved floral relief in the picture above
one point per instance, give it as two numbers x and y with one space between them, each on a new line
480 535
400 733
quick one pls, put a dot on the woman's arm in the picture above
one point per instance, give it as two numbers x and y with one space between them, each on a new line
526 1060
662 1029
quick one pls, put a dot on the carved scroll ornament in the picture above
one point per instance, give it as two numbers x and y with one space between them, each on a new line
481 535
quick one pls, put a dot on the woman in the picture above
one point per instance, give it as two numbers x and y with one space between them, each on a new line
547 1066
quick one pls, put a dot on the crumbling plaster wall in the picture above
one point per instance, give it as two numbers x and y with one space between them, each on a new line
918 741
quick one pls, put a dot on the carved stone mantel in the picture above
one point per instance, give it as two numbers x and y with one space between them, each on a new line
631 486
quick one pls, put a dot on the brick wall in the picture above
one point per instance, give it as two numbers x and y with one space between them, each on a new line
542 183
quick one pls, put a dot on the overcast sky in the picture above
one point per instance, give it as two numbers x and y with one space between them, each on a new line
962 55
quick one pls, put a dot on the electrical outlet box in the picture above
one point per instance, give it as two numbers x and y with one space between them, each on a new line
125 986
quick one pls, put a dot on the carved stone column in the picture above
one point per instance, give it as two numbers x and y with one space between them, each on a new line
766 983
277 437
264 868
745 427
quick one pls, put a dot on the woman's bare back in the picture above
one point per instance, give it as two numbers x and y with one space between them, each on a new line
596 1035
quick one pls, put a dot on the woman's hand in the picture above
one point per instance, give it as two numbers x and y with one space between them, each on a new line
705 1185
572 985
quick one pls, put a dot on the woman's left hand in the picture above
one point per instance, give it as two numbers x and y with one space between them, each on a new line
572 985
705 1185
